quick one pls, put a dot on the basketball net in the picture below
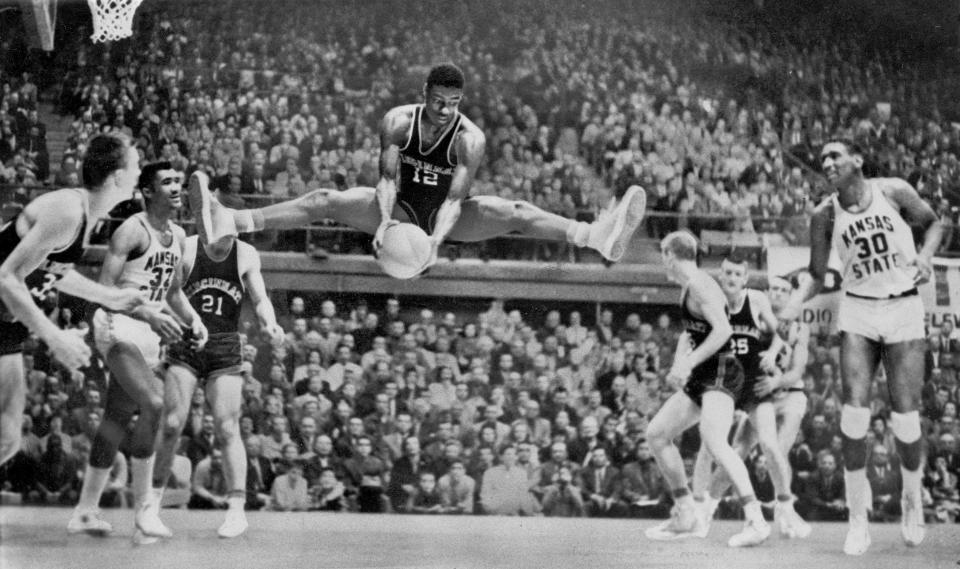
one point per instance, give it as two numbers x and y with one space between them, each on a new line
112 19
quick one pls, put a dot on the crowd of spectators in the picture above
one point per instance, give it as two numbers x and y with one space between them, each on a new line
417 411
719 119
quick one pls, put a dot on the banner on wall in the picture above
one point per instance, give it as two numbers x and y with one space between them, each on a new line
941 295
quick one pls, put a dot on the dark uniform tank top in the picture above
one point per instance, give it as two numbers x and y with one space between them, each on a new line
746 341
216 291
697 328
41 281
426 174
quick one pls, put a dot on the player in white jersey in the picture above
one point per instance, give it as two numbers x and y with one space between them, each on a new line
144 254
762 402
881 318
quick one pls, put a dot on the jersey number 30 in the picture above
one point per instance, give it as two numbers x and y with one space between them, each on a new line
877 242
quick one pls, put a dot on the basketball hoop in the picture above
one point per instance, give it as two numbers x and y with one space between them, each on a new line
112 19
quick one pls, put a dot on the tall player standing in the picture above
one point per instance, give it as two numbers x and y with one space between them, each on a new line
434 151
881 318
216 276
705 367
38 248
144 254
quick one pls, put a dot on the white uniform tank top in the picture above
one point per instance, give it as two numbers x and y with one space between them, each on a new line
152 270
874 246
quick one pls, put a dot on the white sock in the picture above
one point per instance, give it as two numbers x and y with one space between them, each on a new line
753 513
236 502
141 479
578 232
857 490
912 483
94 481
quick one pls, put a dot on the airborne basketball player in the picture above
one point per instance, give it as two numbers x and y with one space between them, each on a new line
881 318
436 152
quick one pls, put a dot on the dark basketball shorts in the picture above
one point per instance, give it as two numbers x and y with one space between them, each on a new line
722 372
12 337
221 356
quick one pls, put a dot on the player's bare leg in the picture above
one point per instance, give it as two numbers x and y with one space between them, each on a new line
678 414
715 422
859 357
481 217
904 363
13 396
486 217
179 384
764 419
225 393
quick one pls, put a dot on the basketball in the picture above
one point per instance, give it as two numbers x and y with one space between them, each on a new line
406 249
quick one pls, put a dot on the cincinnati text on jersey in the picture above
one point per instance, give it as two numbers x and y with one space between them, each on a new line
216 283
870 223
426 166
746 330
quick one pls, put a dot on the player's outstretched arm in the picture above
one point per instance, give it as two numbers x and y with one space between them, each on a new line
811 282
705 293
769 320
54 228
393 129
249 261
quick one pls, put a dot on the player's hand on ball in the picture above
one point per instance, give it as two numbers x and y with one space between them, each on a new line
378 236
764 386
924 268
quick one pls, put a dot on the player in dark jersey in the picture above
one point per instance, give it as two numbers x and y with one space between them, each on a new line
701 364
216 277
38 248
751 317
434 151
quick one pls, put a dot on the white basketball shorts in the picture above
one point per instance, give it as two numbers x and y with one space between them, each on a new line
888 321
109 328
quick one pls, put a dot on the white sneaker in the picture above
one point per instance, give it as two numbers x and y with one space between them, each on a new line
858 536
911 522
611 233
789 522
705 511
147 520
234 525
213 220
88 521
681 525
753 533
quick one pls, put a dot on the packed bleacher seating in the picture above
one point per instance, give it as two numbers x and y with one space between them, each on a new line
721 119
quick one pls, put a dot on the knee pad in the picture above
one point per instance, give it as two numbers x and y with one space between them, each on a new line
906 426
854 422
